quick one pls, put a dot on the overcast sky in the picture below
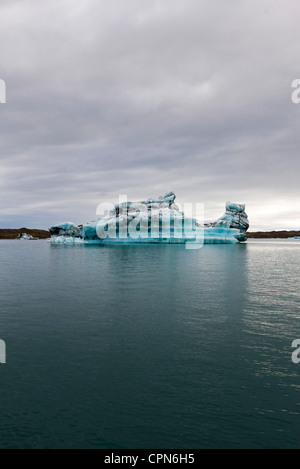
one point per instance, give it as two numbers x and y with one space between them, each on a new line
143 97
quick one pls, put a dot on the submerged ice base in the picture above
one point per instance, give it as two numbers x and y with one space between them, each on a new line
155 221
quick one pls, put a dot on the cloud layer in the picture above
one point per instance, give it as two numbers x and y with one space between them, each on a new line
143 97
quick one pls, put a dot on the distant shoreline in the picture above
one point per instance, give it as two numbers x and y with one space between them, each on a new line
43 234
273 234
13 233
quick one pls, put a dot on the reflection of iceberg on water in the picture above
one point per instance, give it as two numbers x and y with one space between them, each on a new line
158 221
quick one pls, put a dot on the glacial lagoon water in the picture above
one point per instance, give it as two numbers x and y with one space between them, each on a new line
149 346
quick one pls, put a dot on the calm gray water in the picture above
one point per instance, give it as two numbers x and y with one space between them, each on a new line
149 347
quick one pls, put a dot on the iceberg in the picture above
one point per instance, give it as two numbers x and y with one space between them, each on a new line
26 237
236 218
154 221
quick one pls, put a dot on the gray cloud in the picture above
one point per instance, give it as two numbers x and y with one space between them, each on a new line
139 98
